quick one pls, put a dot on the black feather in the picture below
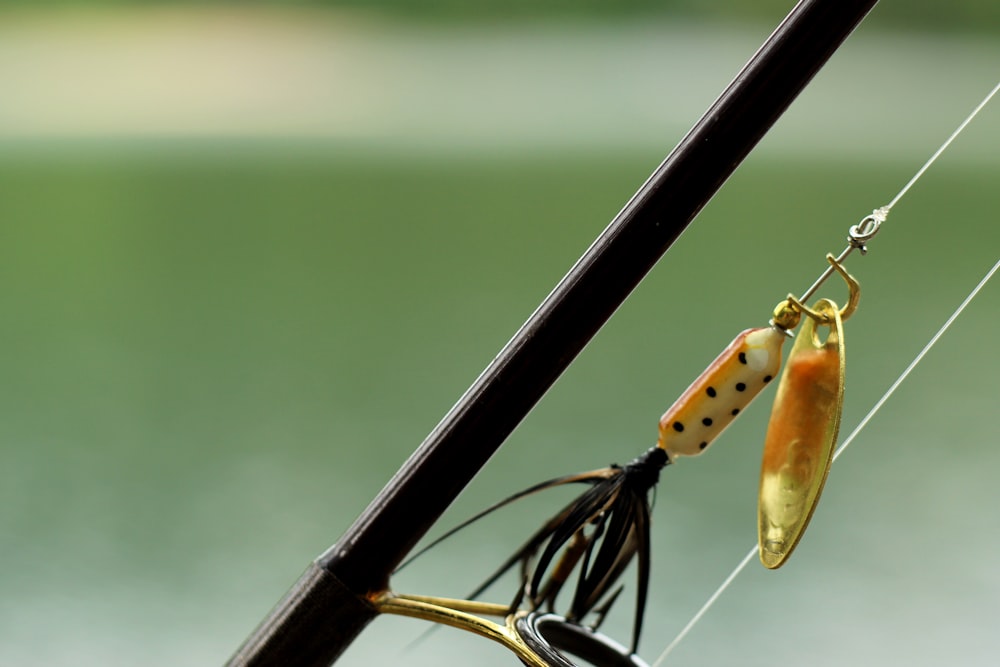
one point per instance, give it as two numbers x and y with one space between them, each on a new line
599 532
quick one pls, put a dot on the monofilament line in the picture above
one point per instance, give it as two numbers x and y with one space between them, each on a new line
705 607
930 161
916 360
840 450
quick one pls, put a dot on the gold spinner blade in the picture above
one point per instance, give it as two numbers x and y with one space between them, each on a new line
801 435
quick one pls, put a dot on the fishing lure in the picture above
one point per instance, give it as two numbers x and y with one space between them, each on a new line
600 532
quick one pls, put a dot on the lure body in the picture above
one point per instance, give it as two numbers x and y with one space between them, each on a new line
721 392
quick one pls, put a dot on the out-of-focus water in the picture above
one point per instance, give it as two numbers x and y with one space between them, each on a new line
212 366
216 357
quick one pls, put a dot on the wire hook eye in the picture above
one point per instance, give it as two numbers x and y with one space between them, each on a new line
865 231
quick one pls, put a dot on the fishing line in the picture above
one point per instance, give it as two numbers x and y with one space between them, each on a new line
958 130
916 360
859 234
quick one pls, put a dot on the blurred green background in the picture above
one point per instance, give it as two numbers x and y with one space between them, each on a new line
252 254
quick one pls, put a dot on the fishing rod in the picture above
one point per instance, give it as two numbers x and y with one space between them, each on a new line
331 603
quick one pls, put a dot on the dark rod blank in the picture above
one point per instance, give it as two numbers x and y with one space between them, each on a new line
303 629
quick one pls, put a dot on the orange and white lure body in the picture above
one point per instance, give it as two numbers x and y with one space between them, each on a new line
721 392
